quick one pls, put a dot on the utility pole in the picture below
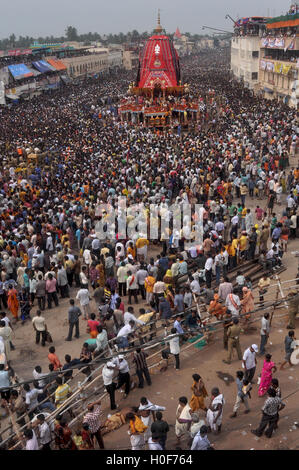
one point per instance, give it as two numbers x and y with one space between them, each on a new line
215 29
228 16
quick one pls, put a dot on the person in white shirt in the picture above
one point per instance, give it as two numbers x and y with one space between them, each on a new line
175 268
124 374
195 287
278 192
153 443
31 441
141 275
123 334
83 278
49 242
38 375
201 441
121 279
293 226
84 299
291 202
233 303
265 330
101 341
193 251
87 257
271 185
174 348
95 245
108 373
132 287
129 315
44 432
31 398
208 271
50 272
249 362
235 220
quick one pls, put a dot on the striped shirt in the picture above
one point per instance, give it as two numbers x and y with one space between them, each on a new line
140 360
61 394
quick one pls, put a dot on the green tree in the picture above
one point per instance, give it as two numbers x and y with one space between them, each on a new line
71 33
12 39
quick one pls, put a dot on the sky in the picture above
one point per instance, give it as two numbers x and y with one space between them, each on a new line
45 18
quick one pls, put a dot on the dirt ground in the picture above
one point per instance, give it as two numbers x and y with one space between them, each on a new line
167 387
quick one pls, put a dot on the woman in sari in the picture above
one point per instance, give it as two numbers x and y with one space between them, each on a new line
183 419
215 411
169 294
268 369
12 302
283 182
102 279
63 436
247 304
94 275
168 280
198 388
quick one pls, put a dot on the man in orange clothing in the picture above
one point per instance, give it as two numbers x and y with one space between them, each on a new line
53 358
149 283
215 308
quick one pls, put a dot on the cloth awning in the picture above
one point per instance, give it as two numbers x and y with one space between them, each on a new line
12 96
35 72
19 71
43 67
57 64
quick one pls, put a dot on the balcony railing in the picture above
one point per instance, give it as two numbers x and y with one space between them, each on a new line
289 43
284 67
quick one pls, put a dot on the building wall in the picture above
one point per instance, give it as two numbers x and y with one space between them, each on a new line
115 58
81 65
130 60
245 54
279 85
205 43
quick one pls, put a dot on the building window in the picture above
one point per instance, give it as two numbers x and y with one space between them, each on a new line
254 76
255 54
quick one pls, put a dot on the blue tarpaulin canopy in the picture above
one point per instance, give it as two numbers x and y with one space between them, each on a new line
43 66
19 71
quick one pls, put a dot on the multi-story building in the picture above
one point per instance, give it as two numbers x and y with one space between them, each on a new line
279 61
94 61
245 50
115 57
205 43
130 60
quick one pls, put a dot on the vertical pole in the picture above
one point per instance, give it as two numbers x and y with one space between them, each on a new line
276 298
280 290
